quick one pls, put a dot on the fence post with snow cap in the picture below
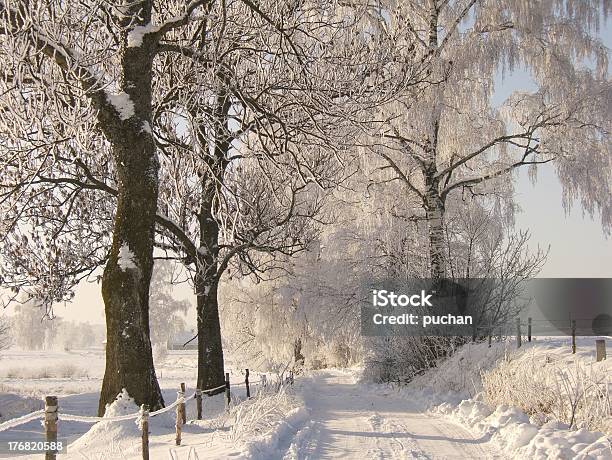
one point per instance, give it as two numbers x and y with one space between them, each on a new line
198 393
246 382
600 349
144 426
227 391
51 424
518 333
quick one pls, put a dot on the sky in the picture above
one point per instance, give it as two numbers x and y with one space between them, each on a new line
578 247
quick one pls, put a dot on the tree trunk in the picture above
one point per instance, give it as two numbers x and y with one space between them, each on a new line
434 205
127 275
298 357
125 284
211 372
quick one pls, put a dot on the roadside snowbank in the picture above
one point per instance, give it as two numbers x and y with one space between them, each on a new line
107 438
520 438
272 444
267 423
526 399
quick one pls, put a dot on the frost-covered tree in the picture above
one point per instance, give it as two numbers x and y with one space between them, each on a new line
28 326
77 83
452 141
241 114
6 339
308 316
318 301
254 154
165 313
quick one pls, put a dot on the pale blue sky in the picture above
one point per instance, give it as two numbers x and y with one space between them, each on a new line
578 247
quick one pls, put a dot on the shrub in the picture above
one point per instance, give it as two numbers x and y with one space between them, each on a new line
574 392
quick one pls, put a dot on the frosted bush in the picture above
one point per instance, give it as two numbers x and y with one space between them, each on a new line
59 371
259 415
401 359
574 393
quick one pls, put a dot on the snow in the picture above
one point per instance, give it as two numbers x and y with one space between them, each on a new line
126 258
146 127
510 428
103 434
461 396
12 405
122 104
352 419
210 437
136 35
329 413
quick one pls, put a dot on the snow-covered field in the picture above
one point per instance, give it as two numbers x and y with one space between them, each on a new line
76 377
454 411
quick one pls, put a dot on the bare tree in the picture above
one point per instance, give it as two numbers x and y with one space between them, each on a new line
492 261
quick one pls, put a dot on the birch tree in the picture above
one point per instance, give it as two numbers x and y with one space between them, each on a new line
453 141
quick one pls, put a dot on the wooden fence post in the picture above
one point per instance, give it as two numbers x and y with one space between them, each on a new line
182 405
489 338
199 403
246 382
573 336
600 347
51 424
179 415
518 333
144 426
227 391
529 329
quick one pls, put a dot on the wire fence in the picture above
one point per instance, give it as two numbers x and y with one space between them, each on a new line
571 327
50 414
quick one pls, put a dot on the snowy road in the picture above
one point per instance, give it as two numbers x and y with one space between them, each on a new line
350 421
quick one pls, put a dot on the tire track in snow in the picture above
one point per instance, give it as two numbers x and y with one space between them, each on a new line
350 421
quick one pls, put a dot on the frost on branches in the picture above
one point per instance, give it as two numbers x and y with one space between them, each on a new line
451 140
